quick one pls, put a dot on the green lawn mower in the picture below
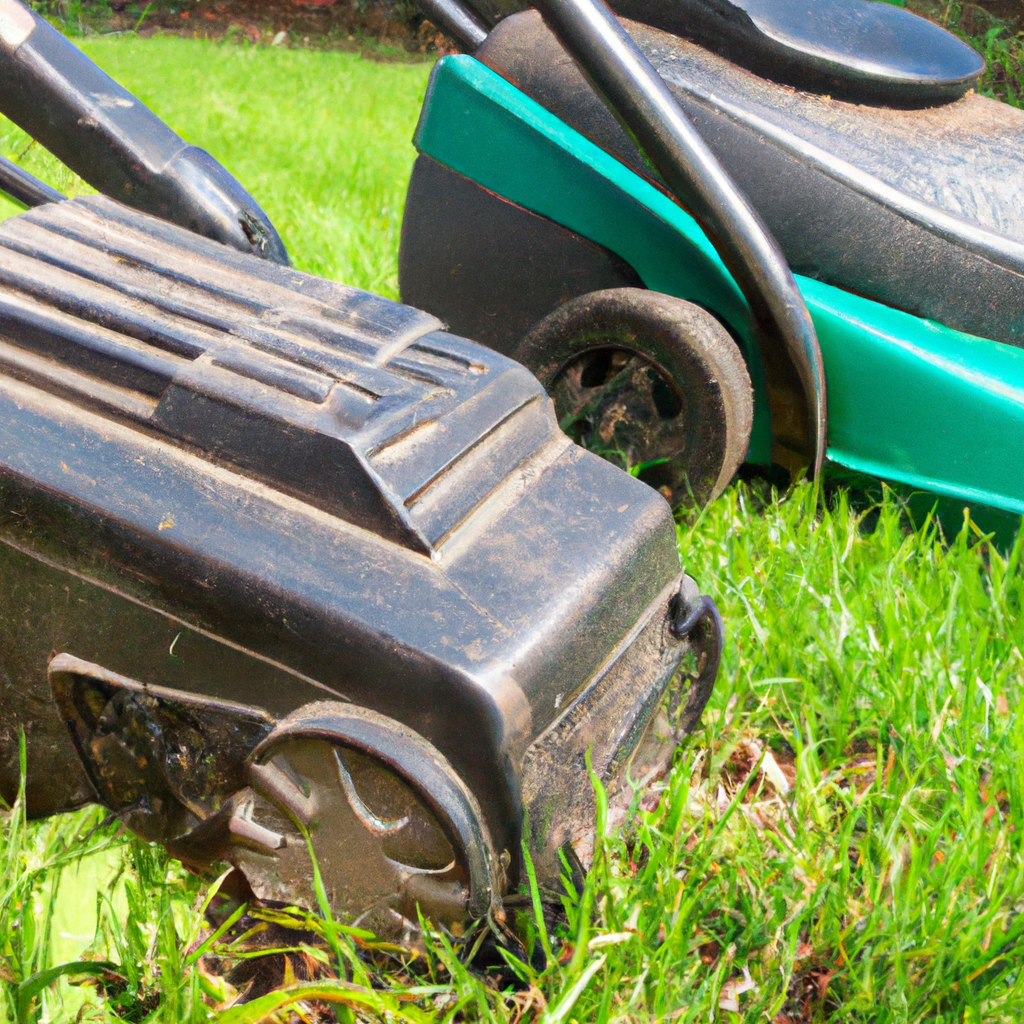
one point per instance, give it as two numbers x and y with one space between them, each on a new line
695 224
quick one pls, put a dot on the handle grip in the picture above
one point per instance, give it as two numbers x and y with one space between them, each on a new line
103 133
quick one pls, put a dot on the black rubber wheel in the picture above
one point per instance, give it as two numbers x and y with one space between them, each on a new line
650 381
394 829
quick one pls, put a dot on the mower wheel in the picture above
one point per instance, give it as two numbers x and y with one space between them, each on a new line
393 829
650 381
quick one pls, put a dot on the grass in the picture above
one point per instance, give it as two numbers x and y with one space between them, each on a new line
321 140
841 842
1000 42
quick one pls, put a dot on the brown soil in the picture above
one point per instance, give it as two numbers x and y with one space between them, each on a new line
389 29
381 29
972 19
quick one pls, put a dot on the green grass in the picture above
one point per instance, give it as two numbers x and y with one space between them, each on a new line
998 42
846 830
321 140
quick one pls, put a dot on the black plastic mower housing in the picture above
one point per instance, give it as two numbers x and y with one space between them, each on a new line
233 480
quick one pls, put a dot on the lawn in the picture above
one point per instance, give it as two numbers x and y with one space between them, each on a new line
841 842
322 140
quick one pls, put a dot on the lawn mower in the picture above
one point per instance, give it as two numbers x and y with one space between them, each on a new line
289 572
695 223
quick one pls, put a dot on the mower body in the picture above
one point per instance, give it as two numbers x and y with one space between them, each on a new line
229 491
899 215
293 578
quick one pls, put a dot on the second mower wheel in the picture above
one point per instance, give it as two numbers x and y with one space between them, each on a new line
650 381
395 832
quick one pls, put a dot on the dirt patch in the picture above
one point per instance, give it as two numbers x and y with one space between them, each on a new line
395 30
973 19
380 29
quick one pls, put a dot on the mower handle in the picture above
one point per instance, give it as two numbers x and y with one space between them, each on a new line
457 20
635 94
638 97
103 133
25 188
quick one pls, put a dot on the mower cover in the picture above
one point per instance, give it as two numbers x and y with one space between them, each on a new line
286 567
543 218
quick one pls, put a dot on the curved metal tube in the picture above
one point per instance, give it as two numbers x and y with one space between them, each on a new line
701 623
26 188
462 24
640 100
102 132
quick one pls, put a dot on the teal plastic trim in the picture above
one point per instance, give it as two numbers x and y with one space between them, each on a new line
908 400
968 495
917 403
477 124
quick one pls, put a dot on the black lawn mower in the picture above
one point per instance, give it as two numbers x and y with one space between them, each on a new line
289 571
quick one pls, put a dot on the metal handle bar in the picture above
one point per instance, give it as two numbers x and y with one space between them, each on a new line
635 93
25 188
455 18
102 132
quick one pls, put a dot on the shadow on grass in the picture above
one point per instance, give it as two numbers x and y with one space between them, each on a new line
842 841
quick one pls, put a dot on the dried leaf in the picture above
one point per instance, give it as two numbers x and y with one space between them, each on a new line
733 989
609 939
774 774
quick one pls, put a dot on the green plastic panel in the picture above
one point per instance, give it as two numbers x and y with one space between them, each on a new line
908 400
918 403
477 124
